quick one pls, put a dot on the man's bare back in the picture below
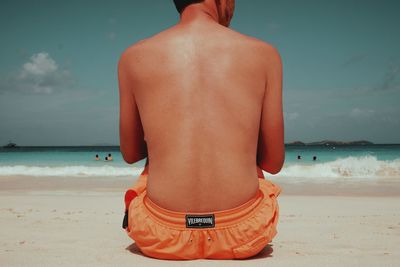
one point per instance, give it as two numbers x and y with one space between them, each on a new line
200 91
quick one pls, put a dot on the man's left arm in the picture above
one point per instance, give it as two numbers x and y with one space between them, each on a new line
132 144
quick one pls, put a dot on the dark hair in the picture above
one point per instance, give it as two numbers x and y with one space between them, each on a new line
97 155
181 4
109 155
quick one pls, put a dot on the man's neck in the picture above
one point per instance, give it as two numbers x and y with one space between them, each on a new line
199 13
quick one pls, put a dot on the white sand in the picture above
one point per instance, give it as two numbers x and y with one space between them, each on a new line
68 227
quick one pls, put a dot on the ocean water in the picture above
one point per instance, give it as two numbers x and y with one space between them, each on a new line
341 162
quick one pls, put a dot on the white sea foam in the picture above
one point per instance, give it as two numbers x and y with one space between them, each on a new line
75 171
349 167
366 167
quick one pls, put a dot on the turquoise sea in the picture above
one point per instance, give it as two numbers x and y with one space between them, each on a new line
350 162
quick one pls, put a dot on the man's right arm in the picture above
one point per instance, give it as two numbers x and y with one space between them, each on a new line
271 148
132 144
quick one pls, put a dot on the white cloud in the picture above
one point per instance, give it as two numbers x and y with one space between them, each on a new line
291 116
273 27
361 113
112 21
112 35
390 80
40 64
40 75
354 59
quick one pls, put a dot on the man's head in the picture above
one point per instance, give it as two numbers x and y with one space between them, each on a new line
225 8
181 4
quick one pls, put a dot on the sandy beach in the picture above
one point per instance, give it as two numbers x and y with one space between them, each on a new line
55 221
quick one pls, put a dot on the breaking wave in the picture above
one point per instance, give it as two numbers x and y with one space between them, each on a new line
75 171
349 167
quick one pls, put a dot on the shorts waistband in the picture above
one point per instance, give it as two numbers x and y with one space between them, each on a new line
222 218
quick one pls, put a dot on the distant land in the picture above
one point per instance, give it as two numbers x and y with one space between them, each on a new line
331 143
294 143
102 144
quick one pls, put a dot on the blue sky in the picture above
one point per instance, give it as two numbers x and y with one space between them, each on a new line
58 66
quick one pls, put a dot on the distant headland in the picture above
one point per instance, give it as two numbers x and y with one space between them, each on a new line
331 143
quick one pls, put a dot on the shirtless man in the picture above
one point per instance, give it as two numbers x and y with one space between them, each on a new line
204 104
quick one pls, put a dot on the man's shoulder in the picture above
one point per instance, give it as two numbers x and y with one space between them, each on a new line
268 51
133 53
143 48
133 49
260 44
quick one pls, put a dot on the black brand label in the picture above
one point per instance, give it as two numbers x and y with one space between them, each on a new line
200 221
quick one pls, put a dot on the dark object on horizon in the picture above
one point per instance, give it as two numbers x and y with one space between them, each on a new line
10 145
298 157
314 158
339 143
296 143
330 143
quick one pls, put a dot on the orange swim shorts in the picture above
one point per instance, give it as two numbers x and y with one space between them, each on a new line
236 233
